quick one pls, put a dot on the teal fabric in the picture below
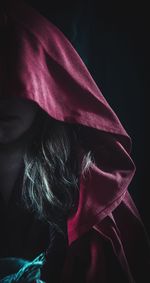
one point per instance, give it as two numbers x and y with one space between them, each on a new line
20 270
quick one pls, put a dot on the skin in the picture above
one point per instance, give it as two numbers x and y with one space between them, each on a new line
15 134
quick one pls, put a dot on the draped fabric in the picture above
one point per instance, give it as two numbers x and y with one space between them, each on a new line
43 66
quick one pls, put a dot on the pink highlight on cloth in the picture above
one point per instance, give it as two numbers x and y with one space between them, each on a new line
43 66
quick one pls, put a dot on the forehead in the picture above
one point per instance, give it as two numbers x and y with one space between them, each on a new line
15 99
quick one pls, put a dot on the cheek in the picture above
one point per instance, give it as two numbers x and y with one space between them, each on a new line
25 122
13 130
26 114
8 133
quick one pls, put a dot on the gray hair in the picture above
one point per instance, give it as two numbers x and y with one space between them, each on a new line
52 171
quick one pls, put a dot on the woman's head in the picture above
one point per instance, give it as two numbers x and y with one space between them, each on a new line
51 157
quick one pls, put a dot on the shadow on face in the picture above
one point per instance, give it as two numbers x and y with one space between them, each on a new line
16 117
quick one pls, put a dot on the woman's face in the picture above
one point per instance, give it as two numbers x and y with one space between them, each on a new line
16 118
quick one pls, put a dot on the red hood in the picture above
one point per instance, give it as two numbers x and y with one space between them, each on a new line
39 63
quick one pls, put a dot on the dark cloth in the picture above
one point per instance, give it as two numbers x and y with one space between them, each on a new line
17 226
43 66
24 236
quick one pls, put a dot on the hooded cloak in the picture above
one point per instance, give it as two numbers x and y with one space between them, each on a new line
39 63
